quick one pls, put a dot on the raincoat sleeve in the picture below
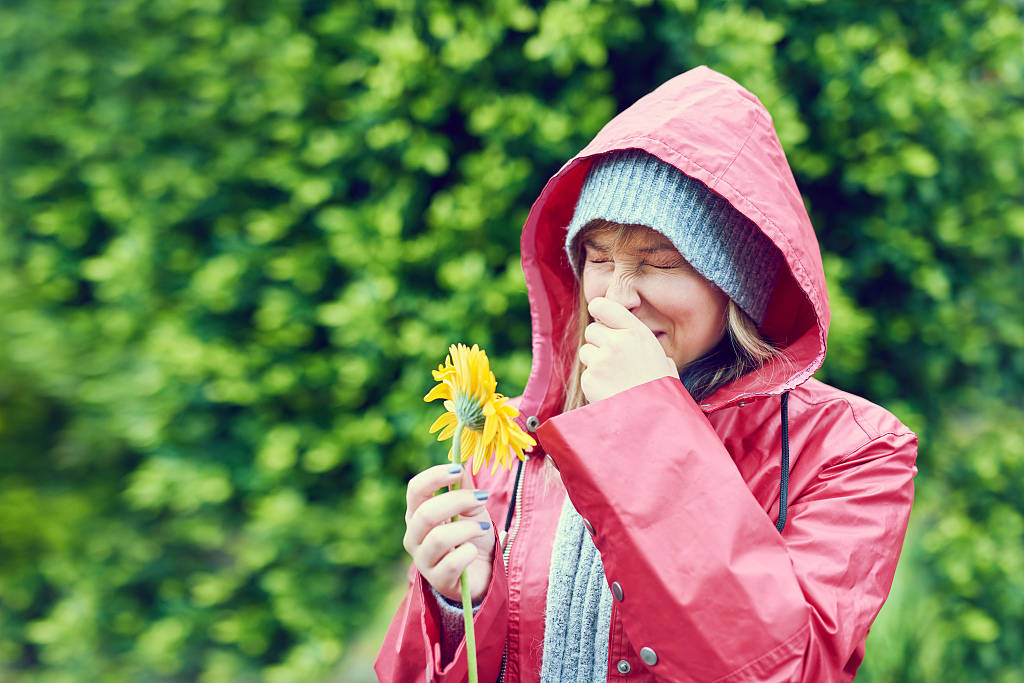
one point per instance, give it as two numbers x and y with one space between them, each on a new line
707 581
412 646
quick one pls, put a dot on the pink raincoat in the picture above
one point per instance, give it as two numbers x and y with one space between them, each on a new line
683 499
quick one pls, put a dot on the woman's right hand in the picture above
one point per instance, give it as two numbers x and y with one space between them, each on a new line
440 548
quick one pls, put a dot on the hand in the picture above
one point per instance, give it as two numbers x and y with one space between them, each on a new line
620 352
440 548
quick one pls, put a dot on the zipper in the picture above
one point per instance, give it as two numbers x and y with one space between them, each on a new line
506 553
507 550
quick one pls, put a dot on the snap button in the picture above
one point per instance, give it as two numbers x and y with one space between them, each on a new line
649 656
589 526
623 666
532 423
552 461
742 403
617 591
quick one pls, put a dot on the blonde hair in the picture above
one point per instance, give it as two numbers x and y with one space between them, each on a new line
741 350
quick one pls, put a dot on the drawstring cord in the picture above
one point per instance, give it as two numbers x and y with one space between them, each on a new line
784 485
512 501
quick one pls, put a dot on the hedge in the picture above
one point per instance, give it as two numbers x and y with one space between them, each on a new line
238 234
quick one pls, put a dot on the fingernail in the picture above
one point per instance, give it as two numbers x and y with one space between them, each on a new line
481 494
454 468
484 526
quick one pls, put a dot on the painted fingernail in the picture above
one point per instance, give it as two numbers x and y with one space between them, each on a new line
481 494
484 526
454 468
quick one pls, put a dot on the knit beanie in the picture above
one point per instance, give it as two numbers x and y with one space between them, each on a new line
634 187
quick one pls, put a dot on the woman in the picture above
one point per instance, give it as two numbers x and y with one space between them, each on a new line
716 513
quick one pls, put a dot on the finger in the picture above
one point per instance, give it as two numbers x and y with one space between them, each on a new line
588 386
597 334
442 539
439 510
588 354
445 574
422 487
614 315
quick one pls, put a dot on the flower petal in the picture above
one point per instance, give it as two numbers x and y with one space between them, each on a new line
469 439
439 391
443 420
490 428
448 432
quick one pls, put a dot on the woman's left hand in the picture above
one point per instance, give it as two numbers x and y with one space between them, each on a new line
620 352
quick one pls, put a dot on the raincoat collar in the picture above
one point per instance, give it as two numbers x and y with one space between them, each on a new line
714 130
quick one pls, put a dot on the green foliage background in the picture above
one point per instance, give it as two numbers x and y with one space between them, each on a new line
238 234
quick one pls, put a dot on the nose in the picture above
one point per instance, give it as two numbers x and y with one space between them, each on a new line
622 289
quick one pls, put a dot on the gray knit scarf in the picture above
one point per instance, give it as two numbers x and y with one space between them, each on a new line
579 607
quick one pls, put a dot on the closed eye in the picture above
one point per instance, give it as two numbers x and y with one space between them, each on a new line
667 266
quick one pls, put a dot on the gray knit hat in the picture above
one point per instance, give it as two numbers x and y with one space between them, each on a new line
634 187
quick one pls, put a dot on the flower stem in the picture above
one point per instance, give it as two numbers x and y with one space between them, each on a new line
467 613
457 443
467 600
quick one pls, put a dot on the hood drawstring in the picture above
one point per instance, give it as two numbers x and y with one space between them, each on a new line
512 501
784 485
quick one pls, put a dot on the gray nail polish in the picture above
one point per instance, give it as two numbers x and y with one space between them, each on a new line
484 526
480 494
454 468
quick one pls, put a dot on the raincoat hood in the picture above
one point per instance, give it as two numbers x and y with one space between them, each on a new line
714 130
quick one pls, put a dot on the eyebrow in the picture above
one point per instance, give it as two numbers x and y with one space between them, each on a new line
644 250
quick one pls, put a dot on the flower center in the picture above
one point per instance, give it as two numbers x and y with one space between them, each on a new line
469 412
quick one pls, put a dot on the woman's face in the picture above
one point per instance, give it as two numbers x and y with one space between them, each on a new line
644 273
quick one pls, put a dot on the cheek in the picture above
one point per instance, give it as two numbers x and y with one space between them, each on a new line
696 308
713 312
717 302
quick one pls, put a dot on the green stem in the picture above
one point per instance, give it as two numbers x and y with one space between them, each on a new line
467 613
467 600
457 443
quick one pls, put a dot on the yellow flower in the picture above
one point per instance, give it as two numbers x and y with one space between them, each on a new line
481 416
